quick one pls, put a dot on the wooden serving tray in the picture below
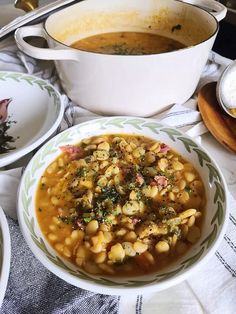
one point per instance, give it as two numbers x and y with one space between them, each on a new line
221 125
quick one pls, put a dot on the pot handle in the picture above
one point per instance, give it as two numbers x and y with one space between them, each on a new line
212 6
41 53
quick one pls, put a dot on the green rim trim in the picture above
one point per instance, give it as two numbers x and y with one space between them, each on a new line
31 80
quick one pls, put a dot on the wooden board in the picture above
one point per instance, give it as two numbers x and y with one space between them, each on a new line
221 125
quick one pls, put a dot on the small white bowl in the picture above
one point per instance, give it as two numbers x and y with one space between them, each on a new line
5 254
36 109
213 227
226 89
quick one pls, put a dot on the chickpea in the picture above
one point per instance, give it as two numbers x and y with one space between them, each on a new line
184 228
99 140
67 252
100 257
133 195
112 170
90 147
191 221
52 168
163 164
101 154
77 235
97 248
140 247
92 227
183 197
171 196
189 176
53 227
162 247
138 152
177 165
129 249
116 253
130 236
104 146
187 213
102 181
68 241
121 232
148 256
54 200
59 247
154 146
193 234
132 207
182 184
52 237
149 158
150 191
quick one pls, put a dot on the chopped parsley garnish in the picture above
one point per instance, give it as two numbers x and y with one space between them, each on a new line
81 172
110 193
68 219
188 189
176 27
5 139
87 219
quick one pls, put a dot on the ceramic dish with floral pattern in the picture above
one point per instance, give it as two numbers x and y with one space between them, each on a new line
30 112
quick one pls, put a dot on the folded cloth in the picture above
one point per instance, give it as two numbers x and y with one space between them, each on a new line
33 289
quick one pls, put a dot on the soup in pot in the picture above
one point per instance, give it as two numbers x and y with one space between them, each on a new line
120 205
127 43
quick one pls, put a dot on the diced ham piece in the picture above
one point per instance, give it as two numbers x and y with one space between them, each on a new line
80 224
164 148
60 212
75 152
139 179
4 103
160 181
136 220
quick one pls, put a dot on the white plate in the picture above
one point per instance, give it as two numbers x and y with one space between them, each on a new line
5 254
36 108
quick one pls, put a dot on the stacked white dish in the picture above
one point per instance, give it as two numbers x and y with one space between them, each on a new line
5 254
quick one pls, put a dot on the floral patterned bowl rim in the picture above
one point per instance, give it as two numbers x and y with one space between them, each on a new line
213 228
5 254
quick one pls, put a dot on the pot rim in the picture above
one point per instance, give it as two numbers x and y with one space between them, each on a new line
146 55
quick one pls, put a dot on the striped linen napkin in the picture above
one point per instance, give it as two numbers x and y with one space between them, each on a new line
211 290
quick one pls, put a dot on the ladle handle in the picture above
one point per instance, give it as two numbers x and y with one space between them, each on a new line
214 7
41 53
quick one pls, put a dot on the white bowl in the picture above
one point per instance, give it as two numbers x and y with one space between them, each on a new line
213 227
36 108
5 254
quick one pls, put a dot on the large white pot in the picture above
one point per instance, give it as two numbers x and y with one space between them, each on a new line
128 85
